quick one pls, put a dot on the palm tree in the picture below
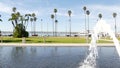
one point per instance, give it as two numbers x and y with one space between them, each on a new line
114 16
31 19
56 21
55 11
100 15
84 8
69 13
14 17
0 31
41 27
17 20
52 17
0 19
34 19
20 21
14 9
88 13
27 18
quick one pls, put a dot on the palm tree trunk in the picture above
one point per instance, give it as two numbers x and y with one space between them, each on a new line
55 23
56 29
115 28
88 31
1 36
70 26
26 25
85 27
53 27
41 28
34 28
31 28
47 28
13 24
66 29
22 28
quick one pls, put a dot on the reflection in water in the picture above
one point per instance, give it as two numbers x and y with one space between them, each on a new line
17 51
54 52
0 57
54 57
33 50
17 55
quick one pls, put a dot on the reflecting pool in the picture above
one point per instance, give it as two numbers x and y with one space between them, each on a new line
55 57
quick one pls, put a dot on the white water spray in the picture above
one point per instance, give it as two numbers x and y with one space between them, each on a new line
101 26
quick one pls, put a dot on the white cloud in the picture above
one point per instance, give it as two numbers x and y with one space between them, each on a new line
5 8
64 14
109 8
106 11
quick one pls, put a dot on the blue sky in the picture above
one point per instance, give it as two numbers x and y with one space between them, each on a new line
44 8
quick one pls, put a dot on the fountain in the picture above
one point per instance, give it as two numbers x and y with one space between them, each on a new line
101 26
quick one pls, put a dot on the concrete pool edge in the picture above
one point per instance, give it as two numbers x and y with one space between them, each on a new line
53 44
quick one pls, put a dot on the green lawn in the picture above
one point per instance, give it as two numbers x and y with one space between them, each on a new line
50 40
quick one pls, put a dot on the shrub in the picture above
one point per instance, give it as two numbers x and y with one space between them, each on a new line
20 31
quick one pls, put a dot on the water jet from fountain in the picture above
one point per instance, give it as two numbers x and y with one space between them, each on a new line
101 26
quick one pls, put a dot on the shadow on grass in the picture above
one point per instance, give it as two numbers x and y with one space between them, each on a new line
17 41
32 41
49 41
8 41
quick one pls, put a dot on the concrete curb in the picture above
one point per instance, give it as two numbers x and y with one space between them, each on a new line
52 44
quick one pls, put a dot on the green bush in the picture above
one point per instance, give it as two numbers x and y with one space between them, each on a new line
20 31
